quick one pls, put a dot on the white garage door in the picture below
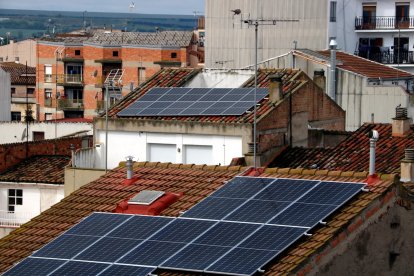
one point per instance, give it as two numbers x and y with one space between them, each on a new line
162 153
198 154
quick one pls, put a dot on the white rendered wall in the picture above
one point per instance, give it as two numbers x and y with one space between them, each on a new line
5 96
122 144
16 131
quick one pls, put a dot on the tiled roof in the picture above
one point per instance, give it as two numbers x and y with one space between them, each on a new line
195 182
38 169
164 38
358 65
18 73
290 80
353 153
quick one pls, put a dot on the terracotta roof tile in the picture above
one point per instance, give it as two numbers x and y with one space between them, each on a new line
18 73
38 169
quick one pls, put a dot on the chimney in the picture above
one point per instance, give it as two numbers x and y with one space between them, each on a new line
401 123
332 74
373 138
319 79
129 163
407 166
275 88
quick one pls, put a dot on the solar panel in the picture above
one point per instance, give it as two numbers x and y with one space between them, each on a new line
34 266
125 270
243 187
242 261
286 189
260 211
66 246
108 249
80 268
101 222
194 102
213 208
195 257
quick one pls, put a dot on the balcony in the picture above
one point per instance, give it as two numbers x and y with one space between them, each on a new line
70 104
383 23
70 80
14 220
406 57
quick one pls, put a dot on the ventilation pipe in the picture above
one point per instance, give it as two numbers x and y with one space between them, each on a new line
373 138
332 78
129 163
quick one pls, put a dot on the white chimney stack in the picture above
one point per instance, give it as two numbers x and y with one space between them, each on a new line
332 75
407 166
373 138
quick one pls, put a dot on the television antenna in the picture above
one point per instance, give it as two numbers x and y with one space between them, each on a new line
132 7
256 23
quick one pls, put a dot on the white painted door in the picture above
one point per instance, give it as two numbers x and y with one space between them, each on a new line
196 154
162 153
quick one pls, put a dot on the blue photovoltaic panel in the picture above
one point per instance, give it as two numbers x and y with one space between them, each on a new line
152 253
335 193
125 270
189 102
98 224
182 230
271 237
286 190
80 269
195 257
304 214
260 211
227 233
243 187
242 261
108 250
66 246
140 227
213 208
34 266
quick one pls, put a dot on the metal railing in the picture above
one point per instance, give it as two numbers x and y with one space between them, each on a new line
70 104
70 79
8 219
406 57
383 22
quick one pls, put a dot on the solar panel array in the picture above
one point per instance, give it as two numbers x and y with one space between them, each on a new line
237 231
178 101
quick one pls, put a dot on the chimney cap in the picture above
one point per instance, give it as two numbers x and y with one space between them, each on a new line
276 77
320 72
333 44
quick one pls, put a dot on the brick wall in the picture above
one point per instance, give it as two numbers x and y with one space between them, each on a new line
12 154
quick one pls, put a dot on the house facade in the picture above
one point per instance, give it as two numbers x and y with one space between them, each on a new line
72 70
20 51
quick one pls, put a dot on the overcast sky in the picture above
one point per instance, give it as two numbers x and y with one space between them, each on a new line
141 6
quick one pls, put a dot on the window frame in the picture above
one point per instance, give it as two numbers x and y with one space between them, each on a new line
14 198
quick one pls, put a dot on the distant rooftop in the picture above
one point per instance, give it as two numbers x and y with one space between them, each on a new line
18 73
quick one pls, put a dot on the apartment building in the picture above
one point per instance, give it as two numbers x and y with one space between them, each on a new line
72 69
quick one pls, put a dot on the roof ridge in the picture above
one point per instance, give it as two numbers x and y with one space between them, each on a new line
169 165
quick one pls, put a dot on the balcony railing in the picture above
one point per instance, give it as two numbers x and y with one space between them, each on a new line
15 219
70 79
73 104
383 22
405 57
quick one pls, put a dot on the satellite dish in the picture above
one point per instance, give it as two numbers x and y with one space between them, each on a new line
131 6
95 73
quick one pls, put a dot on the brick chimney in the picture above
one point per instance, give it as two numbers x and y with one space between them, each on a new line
275 88
407 166
401 123
319 79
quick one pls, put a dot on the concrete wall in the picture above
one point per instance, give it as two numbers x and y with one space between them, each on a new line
5 97
76 178
16 131
25 50
229 40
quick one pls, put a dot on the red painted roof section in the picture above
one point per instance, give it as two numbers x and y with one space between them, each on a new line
290 79
366 67
18 73
195 183
353 153
38 169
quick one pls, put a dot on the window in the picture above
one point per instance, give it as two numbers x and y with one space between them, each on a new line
141 75
77 52
30 91
333 11
174 55
16 116
48 73
38 135
48 116
115 53
48 97
15 198
402 15
13 90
